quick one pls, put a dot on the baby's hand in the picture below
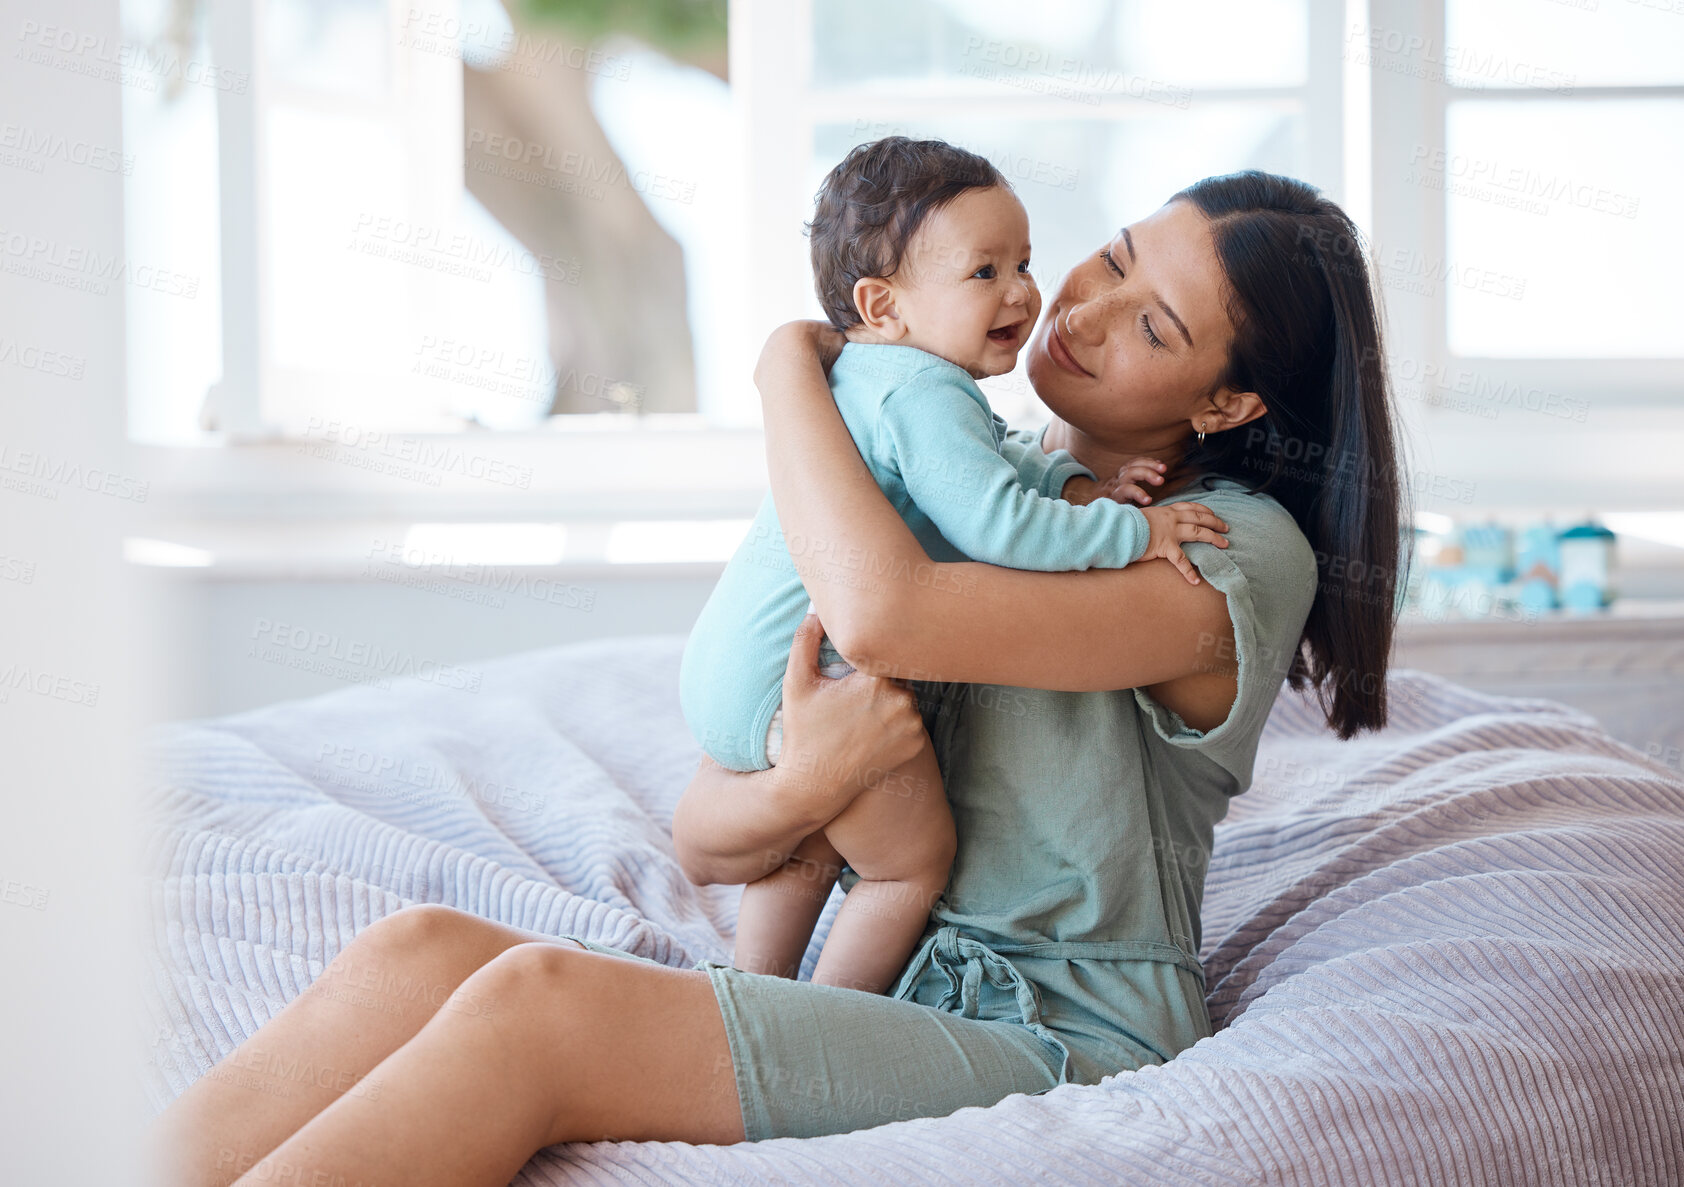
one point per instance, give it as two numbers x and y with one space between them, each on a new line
1125 485
1176 524
1122 487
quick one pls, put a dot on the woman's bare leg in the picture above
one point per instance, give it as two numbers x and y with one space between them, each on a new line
375 995
572 1046
776 917
898 837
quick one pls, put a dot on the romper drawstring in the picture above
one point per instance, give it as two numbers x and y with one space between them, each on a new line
966 962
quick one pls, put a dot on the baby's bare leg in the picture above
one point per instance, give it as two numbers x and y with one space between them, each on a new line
898 836
776 917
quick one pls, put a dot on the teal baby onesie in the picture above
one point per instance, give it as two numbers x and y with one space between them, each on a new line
966 487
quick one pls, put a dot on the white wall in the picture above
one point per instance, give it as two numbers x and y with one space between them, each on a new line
223 633
69 1100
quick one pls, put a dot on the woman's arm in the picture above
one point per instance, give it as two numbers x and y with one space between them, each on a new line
840 736
891 610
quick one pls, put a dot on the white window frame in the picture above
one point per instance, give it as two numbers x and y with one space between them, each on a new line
586 467
675 465
1533 463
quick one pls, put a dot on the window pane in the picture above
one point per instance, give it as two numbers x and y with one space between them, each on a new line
424 321
1559 46
333 307
340 46
172 332
1565 228
1149 49
1082 179
672 129
1215 43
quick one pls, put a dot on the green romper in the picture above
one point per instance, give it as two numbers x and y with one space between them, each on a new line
1065 948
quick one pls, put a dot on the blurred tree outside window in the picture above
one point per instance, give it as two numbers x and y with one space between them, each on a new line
540 161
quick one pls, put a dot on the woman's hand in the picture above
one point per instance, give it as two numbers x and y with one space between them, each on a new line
840 736
797 343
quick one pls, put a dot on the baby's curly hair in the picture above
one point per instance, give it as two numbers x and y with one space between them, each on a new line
872 204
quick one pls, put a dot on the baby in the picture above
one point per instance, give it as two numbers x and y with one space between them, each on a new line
921 256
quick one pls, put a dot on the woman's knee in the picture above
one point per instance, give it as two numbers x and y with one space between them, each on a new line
427 943
526 985
544 972
419 927
571 1038
442 932
537 961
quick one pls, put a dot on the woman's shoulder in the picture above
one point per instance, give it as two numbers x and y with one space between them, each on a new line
1258 505
1269 571
1268 575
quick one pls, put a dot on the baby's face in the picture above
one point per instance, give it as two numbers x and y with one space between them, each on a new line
963 291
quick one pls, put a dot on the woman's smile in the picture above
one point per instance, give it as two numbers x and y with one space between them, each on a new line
1060 353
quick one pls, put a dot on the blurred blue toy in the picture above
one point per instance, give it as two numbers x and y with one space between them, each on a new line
1538 567
1587 557
1487 553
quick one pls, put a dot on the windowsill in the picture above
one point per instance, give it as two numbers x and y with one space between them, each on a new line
1624 616
1634 647
608 467
407 551
673 466
311 509
372 571
563 425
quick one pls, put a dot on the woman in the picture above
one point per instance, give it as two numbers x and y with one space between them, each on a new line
1091 727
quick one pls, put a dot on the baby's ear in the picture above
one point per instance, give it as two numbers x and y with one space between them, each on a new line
874 298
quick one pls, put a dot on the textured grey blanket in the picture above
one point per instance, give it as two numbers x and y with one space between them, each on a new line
1452 953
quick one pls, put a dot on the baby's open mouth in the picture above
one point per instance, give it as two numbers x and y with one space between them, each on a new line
1005 334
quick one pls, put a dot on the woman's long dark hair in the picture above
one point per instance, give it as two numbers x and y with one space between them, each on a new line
1307 340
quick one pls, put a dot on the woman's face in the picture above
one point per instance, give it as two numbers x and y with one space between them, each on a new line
1136 336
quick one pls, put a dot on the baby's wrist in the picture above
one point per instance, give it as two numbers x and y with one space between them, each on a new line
1079 490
